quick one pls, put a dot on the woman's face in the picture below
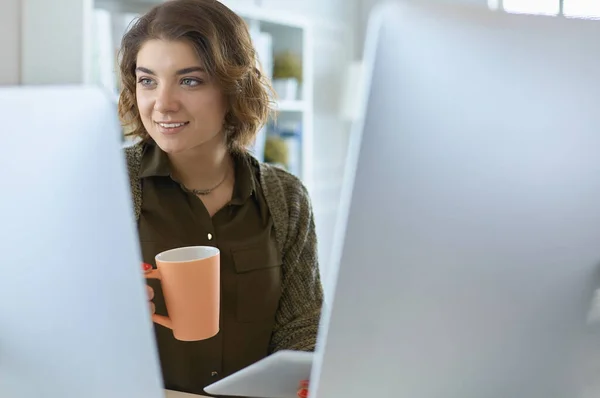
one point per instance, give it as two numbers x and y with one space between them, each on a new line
180 106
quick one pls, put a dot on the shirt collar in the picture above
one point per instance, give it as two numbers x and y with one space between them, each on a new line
155 163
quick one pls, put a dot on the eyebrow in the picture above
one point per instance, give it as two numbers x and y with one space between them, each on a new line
183 71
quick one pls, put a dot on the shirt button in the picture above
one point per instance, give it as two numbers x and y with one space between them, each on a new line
214 373
209 236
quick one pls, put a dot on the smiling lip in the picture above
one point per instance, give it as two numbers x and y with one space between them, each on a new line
171 127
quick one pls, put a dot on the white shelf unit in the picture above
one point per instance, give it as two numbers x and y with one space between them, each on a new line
285 34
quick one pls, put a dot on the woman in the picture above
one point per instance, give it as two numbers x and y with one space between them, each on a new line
193 95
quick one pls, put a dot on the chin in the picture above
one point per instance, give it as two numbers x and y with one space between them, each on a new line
183 142
171 146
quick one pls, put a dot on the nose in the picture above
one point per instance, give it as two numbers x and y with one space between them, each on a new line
166 100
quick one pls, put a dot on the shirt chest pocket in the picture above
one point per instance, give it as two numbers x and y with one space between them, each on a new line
258 282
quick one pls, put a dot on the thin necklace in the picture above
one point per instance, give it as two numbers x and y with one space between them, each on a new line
204 192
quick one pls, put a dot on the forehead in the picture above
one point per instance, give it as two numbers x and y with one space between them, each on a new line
166 55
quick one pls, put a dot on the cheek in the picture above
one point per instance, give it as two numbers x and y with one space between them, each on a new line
210 104
145 104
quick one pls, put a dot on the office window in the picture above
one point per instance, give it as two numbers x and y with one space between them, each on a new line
542 7
571 8
582 8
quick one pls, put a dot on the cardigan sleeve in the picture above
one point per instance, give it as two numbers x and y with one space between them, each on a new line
299 312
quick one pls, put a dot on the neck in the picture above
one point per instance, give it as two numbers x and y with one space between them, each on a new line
203 166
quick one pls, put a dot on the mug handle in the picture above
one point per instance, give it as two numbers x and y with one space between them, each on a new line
151 273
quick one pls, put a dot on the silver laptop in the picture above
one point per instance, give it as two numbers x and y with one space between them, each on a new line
469 244
74 318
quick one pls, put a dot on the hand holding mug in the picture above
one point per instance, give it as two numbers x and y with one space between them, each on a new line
190 282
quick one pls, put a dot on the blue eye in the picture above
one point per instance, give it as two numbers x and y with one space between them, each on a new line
144 81
190 82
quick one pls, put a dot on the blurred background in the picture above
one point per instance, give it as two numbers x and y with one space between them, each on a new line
311 49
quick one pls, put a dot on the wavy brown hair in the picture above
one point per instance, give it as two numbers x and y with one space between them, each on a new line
223 43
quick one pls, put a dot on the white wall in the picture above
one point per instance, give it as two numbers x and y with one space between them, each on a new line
9 41
31 31
48 27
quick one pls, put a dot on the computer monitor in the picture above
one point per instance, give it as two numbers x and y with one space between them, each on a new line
468 246
74 319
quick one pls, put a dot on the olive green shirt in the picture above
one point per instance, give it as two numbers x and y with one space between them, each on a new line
271 293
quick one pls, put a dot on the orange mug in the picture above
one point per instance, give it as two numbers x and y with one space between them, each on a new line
190 281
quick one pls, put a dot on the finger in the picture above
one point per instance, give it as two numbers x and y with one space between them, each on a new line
303 393
303 389
152 308
150 292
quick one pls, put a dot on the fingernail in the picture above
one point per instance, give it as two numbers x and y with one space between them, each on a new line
146 267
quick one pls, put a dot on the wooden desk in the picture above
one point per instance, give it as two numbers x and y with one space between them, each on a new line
176 394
